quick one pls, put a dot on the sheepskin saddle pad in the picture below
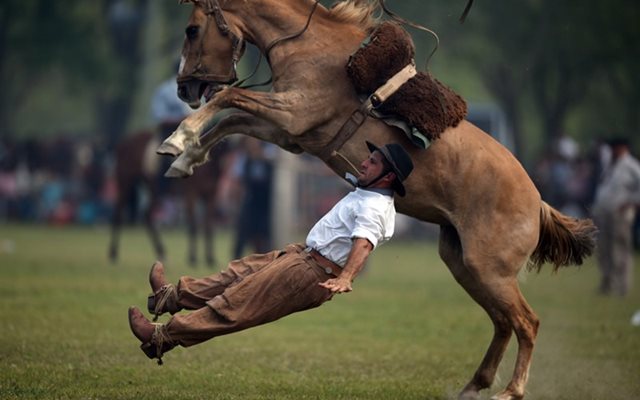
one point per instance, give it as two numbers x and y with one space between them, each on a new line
422 102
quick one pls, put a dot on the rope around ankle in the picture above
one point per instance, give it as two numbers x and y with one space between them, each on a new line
168 297
159 338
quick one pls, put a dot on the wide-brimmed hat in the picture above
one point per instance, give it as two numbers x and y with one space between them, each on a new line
398 159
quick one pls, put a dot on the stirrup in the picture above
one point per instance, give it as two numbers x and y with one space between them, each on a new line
162 301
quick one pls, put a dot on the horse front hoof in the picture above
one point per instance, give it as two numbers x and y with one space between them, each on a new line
168 149
174 172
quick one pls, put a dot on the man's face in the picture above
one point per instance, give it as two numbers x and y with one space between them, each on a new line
371 168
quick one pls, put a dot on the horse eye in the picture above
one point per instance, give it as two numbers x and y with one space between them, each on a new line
191 32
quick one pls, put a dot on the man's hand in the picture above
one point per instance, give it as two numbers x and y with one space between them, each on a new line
337 285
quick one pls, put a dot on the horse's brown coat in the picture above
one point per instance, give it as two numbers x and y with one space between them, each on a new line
491 217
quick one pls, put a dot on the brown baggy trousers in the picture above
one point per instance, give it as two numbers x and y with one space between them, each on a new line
252 291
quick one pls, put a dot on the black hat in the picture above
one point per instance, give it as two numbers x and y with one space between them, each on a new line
399 161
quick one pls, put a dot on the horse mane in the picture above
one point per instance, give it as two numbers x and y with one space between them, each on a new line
361 13
356 12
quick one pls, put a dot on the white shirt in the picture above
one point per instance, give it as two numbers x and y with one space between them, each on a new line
620 184
364 213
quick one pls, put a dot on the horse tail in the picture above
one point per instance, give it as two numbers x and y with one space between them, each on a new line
563 240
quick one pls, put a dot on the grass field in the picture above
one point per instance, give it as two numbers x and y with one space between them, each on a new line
407 331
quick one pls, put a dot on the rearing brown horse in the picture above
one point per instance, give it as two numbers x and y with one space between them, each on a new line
492 219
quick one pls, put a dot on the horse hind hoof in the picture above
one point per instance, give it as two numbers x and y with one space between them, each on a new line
168 149
174 172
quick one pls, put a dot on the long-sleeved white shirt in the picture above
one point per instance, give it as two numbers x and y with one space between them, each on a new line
364 213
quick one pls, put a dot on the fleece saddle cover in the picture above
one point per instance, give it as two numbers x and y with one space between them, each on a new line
422 102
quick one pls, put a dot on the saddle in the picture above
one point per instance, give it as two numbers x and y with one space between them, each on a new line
423 102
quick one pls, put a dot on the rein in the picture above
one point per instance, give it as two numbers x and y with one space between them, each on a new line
273 44
422 28
360 114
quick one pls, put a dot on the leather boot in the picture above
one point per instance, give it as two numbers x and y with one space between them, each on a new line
155 341
164 297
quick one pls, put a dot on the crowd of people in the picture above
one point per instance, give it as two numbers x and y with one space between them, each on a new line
69 180
57 180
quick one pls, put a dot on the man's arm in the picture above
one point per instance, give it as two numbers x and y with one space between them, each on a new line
359 252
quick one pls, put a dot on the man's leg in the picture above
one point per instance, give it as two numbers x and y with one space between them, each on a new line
621 256
286 285
605 252
193 293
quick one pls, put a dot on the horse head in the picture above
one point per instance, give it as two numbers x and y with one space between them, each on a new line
210 53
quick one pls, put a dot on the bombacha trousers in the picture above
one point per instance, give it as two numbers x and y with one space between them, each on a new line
252 291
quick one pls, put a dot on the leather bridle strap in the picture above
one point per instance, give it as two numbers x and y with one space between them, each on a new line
273 44
422 28
359 115
212 8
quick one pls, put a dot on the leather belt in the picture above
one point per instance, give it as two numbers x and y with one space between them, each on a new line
329 266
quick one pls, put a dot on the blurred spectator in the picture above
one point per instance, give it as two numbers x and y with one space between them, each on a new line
614 211
254 170
167 111
563 177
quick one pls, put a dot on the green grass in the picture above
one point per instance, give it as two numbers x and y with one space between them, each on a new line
408 331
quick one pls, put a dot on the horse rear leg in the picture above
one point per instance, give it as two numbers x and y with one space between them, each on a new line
525 324
192 228
503 302
116 224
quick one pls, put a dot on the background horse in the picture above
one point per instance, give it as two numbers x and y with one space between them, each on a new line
492 219
138 166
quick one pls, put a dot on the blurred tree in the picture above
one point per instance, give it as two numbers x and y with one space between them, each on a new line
78 63
125 27
38 38
567 56
551 54
619 52
568 65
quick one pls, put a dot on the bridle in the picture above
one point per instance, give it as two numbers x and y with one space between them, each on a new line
212 8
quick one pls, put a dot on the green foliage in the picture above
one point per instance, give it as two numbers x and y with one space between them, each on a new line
553 66
407 331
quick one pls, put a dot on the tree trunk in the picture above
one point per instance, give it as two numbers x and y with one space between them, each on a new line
506 88
126 21
5 123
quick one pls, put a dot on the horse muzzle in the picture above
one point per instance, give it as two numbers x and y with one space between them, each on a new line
191 91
